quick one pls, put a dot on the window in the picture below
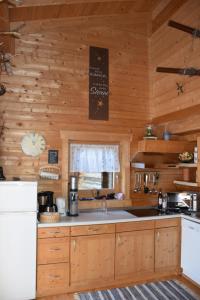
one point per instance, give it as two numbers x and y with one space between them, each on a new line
96 165
101 180
122 179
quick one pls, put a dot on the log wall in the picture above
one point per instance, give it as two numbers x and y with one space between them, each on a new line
48 90
170 47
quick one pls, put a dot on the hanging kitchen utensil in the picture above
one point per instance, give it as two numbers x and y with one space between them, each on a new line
139 182
154 191
146 189
136 183
151 182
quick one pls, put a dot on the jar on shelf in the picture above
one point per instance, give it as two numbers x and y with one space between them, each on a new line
195 155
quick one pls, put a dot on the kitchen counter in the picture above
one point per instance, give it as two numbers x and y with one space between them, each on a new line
112 216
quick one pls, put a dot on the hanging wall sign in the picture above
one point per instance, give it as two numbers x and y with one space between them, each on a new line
52 156
98 84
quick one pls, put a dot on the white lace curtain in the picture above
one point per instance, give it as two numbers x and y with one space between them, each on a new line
94 158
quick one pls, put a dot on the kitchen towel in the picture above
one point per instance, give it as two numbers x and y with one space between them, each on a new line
161 290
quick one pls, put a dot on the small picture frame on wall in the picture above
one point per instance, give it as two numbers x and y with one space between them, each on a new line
52 156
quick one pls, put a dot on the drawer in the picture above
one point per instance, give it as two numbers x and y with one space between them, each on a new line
48 232
92 229
167 223
51 232
131 226
52 279
53 250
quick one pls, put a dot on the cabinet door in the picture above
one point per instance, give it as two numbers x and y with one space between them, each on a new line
134 253
167 248
52 279
92 260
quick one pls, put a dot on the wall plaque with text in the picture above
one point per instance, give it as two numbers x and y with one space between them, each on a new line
52 156
98 84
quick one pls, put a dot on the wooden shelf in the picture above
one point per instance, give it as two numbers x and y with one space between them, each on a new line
186 183
187 165
167 166
161 146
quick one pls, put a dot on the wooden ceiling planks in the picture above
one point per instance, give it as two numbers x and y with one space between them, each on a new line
56 11
137 5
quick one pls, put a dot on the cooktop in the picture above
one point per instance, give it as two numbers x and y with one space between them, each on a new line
156 212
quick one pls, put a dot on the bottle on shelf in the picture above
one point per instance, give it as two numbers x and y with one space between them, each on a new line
160 199
195 155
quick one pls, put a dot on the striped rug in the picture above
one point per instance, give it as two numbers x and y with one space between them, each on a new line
161 290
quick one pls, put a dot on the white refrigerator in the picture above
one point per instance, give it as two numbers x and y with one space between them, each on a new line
18 229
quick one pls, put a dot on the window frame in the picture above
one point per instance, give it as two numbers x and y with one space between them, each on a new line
123 140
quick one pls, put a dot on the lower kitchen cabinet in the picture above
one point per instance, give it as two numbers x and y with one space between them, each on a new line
52 279
134 253
167 246
92 259
52 261
134 256
95 256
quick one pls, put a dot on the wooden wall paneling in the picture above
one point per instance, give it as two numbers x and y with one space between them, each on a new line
173 48
48 91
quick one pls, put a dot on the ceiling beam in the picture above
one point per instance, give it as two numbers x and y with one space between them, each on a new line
171 8
186 126
177 115
32 13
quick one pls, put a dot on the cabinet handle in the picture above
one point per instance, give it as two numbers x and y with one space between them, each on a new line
54 249
54 276
93 229
74 244
118 239
190 227
158 235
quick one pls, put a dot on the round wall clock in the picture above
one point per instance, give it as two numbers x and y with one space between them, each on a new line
33 144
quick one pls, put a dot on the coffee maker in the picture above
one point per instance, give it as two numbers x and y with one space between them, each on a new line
73 196
45 202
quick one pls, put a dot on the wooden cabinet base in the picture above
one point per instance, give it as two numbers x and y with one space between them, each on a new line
109 255
52 279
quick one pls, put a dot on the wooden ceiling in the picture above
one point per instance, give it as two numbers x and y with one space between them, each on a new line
32 10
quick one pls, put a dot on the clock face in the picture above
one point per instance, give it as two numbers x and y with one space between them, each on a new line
33 144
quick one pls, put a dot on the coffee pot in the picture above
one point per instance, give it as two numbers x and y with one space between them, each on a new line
45 202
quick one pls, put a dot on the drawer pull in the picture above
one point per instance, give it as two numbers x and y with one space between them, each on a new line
93 229
190 227
54 232
54 249
54 276
158 235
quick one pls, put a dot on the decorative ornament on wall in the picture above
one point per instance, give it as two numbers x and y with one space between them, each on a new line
180 87
33 144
